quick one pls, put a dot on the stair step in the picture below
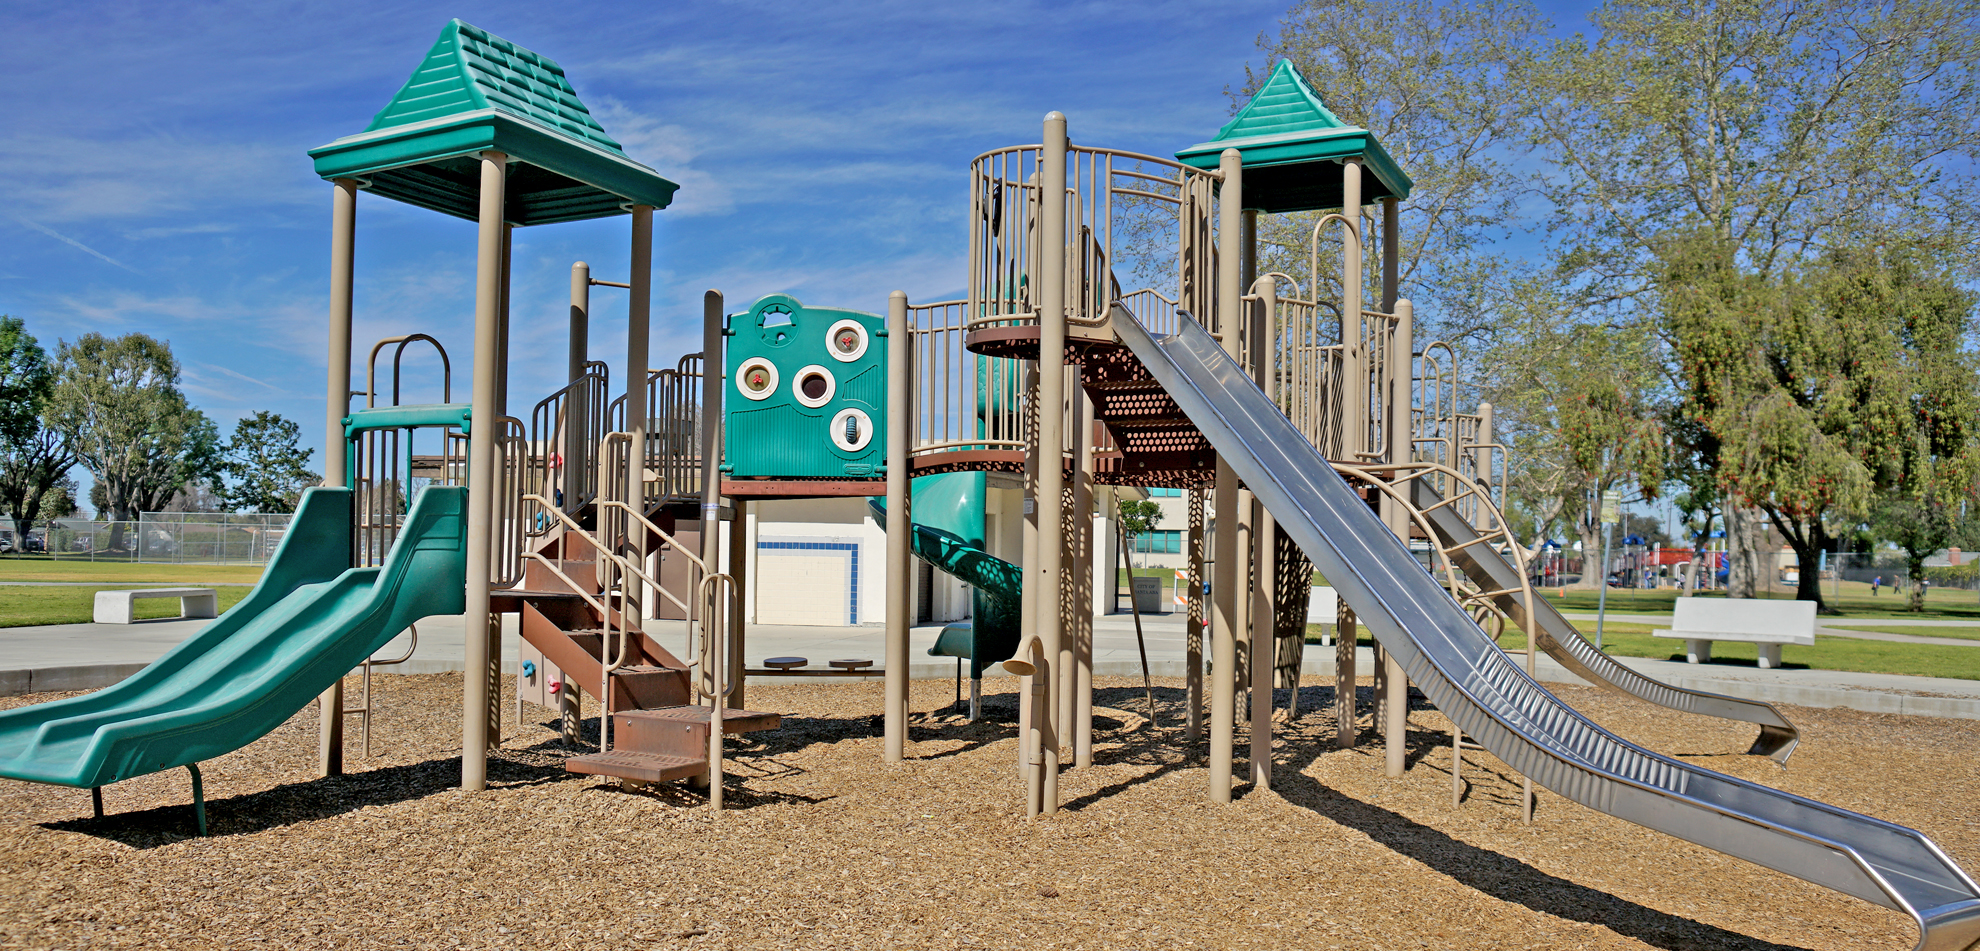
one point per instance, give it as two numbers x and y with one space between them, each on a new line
733 721
645 767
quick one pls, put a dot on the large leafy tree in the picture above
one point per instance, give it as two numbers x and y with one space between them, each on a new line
266 469
118 402
1854 386
1436 83
34 460
1780 128
1582 402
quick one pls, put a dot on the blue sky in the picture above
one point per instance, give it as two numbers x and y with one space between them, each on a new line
153 175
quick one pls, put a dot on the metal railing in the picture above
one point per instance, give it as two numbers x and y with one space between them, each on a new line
962 400
565 430
1124 210
673 430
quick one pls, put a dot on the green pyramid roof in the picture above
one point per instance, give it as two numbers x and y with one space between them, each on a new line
1291 143
475 92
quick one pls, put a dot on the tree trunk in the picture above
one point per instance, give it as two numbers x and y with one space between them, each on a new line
1744 526
1809 587
1915 566
1593 571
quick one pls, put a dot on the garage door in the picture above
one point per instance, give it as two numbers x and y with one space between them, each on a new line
807 583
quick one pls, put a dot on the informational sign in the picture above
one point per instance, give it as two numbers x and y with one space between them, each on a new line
1147 594
1611 506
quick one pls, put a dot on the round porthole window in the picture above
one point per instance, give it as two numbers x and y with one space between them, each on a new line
846 340
814 386
852 429
757 378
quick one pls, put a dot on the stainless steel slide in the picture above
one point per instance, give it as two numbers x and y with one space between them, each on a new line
1564 643
1486 694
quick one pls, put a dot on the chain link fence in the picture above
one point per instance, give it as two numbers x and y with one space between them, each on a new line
1853 573
184 538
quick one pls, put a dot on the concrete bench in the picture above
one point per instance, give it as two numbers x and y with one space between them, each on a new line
119 607
1323 607
1765 623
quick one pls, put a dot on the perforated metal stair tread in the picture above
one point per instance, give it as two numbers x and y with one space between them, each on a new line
645 767
733 721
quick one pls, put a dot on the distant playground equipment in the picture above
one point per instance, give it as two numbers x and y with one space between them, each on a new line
1312 426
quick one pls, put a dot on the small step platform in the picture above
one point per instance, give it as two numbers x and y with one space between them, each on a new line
733 721
644 767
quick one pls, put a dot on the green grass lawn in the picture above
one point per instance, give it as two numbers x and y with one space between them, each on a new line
24 605
1854 602
1960 633
41 568
1828 653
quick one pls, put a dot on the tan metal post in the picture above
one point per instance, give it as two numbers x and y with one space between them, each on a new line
639 312
1395 696
482 484
1048 574
575 450
337 400
714 666
900 526
580 338
1264 538
1225 585
1354 409
1391 254
1082 607
1193 637
502 341
739 570
1027 591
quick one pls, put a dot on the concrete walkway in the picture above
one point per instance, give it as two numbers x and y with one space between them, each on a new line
84 656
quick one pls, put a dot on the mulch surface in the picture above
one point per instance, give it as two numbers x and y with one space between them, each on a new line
824 846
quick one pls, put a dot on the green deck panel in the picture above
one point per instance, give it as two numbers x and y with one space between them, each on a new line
308 622
474 92
947 512
779 437
1291 143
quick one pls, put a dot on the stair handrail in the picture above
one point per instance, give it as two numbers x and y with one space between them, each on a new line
667 541
608 661
715 645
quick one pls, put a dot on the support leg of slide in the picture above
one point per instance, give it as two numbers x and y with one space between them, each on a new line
199 797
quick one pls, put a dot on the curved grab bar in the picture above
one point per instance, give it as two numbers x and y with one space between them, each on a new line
371 369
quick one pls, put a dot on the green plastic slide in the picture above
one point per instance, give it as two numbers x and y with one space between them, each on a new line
947 511
308 623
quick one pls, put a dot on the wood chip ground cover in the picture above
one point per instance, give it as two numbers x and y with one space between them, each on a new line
824 846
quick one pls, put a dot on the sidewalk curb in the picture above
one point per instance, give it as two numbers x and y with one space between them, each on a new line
14 683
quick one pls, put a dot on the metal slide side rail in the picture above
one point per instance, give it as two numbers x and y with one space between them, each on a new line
1485 693
1563 642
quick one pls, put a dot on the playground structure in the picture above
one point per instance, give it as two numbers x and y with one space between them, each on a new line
1301 411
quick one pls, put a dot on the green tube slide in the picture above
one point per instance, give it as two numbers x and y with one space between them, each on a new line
947 512
308 623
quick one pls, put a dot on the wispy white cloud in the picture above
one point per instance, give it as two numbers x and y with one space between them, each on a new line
78 245
235 375
176 231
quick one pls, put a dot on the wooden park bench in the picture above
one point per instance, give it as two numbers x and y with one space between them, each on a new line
1767 624
119 607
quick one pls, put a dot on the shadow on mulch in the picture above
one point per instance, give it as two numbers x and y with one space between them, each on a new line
1497 875
292 803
